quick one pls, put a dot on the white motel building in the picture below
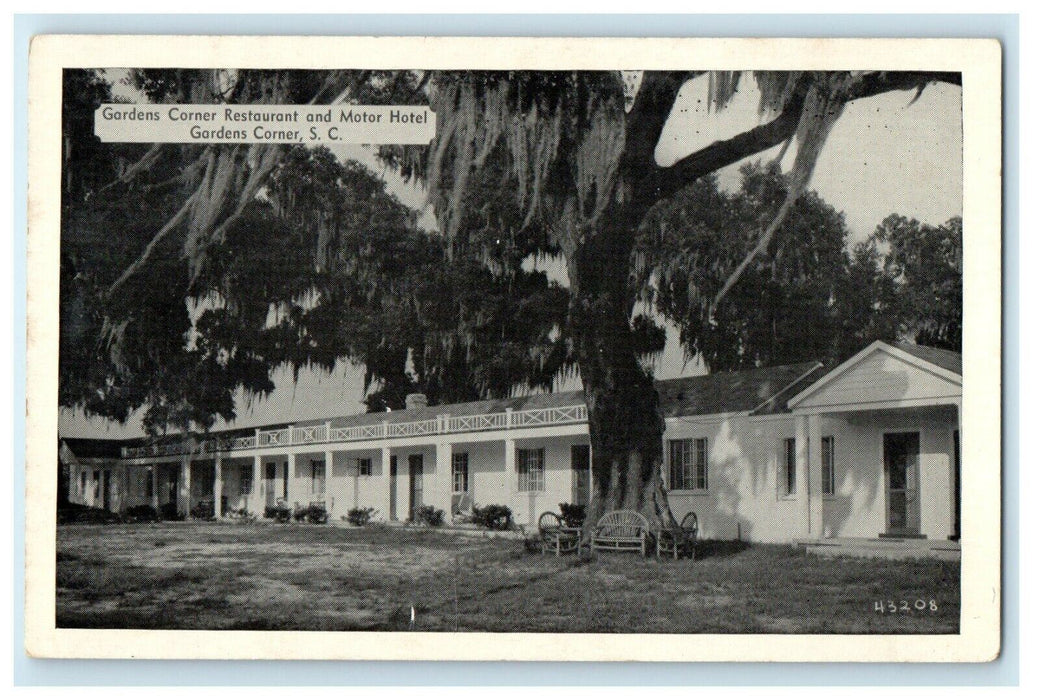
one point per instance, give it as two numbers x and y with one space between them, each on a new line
868 449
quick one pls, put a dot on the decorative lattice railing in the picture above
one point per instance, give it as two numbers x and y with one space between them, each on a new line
326 433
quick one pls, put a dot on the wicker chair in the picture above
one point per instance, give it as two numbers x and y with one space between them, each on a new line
678 541
555 537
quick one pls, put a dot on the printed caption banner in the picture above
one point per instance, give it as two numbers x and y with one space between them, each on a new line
194 123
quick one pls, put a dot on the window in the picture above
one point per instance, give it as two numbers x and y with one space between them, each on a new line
788 484
317 476
364 466
688 464
82 483
530 465
460 472
247 480
148 484
827 459
97 484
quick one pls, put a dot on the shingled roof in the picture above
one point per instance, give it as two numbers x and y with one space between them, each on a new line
734 392
947 359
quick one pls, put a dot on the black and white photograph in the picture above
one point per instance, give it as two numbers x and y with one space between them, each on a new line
545 350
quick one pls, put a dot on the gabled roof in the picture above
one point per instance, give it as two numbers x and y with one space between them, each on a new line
733 392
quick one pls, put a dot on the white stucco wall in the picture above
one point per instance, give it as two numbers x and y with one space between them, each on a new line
527 506
742 498
744 464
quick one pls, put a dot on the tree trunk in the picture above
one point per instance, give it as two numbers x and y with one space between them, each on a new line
625 421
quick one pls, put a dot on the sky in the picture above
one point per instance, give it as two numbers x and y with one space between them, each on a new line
884 155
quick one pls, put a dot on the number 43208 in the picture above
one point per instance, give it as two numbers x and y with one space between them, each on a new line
905 606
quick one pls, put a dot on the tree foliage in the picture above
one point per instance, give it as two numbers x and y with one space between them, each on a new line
811 296
781 310
321 265
926 264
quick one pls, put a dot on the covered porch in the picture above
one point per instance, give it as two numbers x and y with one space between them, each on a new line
878 442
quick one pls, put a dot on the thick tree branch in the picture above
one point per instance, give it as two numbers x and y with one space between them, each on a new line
646 119
879 82
664 182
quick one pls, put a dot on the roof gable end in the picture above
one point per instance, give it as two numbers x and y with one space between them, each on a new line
883 374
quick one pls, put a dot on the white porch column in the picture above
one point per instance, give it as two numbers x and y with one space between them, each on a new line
155 487
801 475
184 487
218 485
512 479
814 486
935 481
254 500
330 500
441 496
389 488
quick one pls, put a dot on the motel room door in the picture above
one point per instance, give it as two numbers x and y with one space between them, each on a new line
581 470
271 491
415 469
106 489
902 459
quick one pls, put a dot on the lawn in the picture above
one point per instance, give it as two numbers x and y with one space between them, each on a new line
305 577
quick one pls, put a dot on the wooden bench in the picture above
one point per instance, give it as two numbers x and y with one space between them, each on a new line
621 531
679 541
556 537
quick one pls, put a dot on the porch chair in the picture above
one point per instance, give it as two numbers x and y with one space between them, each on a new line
678 541
555 536
462 508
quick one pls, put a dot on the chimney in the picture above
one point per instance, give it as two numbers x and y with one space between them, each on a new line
413 401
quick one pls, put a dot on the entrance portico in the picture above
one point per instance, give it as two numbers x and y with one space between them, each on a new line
896 408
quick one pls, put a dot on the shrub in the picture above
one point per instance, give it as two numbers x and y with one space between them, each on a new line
279 512
359 516
168 511
314 513
572 514
493 517
74 513
428 515
141 514
203 510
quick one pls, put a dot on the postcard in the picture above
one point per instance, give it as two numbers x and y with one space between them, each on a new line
514 349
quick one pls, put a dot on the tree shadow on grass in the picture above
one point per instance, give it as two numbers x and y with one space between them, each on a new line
718 549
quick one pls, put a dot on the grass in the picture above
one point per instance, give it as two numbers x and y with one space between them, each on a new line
301 577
